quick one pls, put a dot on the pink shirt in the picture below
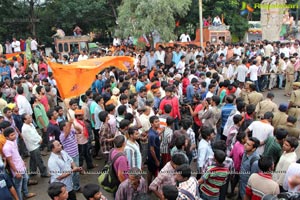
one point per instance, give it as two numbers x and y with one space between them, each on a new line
10 149
121 164
297 65
237 155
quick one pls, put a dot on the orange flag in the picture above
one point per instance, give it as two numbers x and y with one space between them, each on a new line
75 79
10 56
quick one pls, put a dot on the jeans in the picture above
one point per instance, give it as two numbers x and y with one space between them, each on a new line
21 185
223 190
263 81
176 124
84 154
206 197
76 175
280 77
45 142
36 161
22 147
256 86
97 143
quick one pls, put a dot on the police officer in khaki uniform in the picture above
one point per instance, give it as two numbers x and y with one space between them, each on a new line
289 72
253 97
245 91
290 126
266 105
294 105
280 116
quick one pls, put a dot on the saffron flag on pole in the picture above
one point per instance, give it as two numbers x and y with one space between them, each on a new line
75 79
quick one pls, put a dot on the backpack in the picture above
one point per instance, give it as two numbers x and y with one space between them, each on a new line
108 178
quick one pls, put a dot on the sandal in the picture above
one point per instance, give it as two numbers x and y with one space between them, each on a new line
32 182
29 195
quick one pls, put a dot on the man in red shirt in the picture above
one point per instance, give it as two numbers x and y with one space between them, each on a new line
174 102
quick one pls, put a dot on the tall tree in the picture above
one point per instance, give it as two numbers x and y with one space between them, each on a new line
230 10
144 17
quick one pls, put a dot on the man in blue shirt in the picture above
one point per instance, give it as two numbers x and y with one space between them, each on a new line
190 90
140 83
151 60
99 84
176 55
4 70
225 112
153 148
249 163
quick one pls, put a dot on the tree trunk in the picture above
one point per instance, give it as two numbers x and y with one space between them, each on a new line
113 10
271 19
31 17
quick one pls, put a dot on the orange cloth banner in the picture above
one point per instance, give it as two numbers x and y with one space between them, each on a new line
75 79
10 56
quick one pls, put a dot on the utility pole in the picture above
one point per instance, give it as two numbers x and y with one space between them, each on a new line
201 23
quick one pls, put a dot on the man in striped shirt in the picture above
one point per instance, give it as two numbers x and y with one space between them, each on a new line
68 140
132 149
214 178
260 184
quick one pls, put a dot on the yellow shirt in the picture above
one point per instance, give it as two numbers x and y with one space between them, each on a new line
2 142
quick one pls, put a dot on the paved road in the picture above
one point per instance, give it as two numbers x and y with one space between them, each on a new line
41 188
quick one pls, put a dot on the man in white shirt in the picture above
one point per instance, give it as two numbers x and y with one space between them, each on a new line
285 50
253 70
32 141
237 49
288 157
217 21
268 49
262 130
16 45
83 56
185 37
241 73
181 65
116 41
22 102
160 54
33 45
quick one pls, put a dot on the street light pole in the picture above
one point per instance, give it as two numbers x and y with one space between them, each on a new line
201 23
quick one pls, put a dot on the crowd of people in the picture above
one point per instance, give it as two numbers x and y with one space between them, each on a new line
175 108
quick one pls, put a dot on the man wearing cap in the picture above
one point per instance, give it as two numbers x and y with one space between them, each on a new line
266 105
290 70
290 127
294 105
280 116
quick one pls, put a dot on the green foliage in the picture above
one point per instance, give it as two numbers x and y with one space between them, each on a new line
230 10
143 17
90 15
